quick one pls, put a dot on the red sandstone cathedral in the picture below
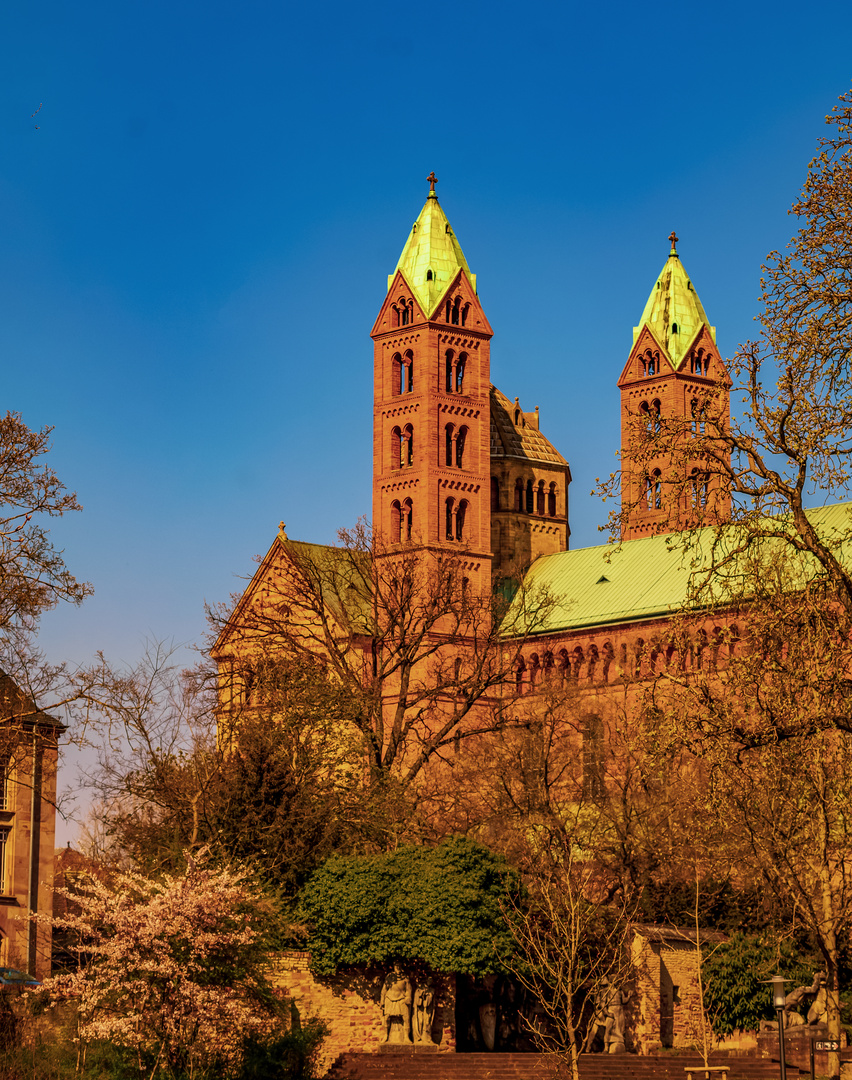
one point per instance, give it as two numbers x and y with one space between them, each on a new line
460 466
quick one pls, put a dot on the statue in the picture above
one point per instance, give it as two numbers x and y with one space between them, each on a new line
608 1014
614 1001
816 1013
396 1004
424 1011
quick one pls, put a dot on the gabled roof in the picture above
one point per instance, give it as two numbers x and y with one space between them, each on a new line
431 245
674 303
336 573
521 440
641 579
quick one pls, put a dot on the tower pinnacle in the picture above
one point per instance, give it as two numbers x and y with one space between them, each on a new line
673 238
432 180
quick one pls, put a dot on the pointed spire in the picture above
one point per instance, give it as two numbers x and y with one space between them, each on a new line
674 313
432 255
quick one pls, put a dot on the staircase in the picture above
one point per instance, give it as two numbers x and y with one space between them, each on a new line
541 1067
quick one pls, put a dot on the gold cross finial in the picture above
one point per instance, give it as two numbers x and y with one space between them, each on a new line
674 239
432 180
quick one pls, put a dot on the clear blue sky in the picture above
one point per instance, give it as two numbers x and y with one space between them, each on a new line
196 228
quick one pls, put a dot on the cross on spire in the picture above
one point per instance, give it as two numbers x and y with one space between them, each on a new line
432 180
673 240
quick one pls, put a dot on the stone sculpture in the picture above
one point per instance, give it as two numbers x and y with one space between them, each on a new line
396 1005
424 1012
816 1013
609 1015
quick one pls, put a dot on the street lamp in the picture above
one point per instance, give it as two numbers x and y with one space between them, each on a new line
779 999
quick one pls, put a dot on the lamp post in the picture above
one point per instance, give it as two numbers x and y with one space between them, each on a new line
778 1001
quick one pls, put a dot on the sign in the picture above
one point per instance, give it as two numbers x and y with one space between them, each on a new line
827 1044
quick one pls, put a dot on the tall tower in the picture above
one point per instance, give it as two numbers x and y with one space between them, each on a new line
431 381
674 396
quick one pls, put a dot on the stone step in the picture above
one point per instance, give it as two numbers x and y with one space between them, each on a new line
540 1067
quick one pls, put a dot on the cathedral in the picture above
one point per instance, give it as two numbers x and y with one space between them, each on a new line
459 466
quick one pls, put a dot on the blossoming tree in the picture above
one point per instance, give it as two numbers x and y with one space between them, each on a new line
173 970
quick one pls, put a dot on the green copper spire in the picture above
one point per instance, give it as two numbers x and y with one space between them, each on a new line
432 256
674 313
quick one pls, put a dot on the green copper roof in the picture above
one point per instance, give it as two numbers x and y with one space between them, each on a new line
431 245
643 579
674 313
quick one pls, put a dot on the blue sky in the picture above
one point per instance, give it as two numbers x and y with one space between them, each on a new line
197 226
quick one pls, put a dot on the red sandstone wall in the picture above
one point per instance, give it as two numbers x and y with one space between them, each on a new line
348 1003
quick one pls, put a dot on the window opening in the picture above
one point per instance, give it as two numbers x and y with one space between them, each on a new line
495 493
529 505
460 516
448 513
539 499
448 438
460 441
551 500
519 495
460 365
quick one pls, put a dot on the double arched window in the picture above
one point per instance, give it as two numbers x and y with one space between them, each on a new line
454 516
403 312
403 372
654 490
650 363
699 483
402 447
402 520
454 444
650 415
454 372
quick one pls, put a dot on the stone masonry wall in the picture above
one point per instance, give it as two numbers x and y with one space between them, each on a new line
348 1004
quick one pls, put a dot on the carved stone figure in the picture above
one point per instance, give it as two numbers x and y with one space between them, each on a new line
396 1005
816 1014
424 1011
614 1001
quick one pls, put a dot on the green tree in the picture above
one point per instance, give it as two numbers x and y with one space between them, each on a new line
442 905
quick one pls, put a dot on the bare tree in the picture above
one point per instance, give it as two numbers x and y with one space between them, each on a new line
423 660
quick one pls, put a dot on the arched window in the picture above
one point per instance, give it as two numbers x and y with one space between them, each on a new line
519 495
460 516
519 677
697 409
408 519
651 364
464 313
396 448
428 275
534 670
399 379
551 500
608 657
593 662
448 514
448 444
674 327
407 447
657 489
656 419
449 364
593 757
699 484
396 521
564 667
495 493
539 498
405 312
460 365
547 667
408 360
645 417
453 307
460 441
529 500
576 664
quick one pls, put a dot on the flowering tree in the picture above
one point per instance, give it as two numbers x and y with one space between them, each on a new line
173 970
